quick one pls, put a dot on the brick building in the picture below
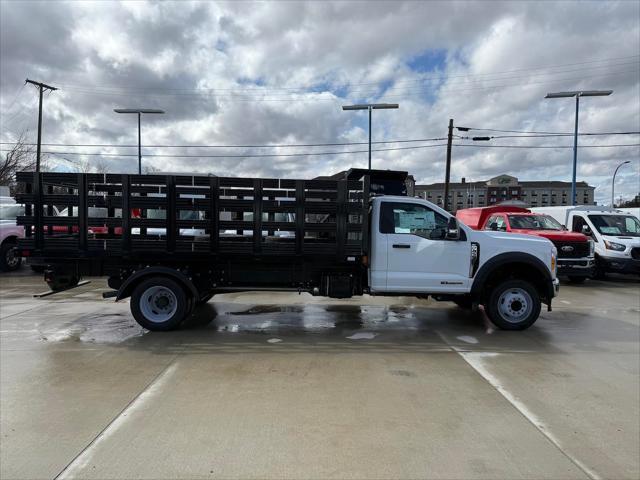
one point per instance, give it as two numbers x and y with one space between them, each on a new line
505 188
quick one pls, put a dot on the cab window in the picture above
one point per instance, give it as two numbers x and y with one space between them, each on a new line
410 218
577 224
492 220
498 220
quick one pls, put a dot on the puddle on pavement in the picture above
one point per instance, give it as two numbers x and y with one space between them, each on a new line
95 328
353 322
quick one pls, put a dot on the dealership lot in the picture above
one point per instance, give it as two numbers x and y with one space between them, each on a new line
293 386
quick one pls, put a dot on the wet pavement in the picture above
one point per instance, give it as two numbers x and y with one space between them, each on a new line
293 386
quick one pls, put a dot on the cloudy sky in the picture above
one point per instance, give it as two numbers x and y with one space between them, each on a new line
277 73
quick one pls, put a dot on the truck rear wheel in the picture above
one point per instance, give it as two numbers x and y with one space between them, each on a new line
514 305
159 304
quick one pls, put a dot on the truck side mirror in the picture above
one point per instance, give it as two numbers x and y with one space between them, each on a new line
586 230
453 229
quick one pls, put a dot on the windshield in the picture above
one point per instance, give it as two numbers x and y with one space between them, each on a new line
616 225
534 222
9 211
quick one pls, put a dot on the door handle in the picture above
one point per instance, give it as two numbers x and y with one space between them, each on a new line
401 245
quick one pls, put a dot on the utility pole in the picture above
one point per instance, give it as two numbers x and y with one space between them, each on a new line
448 167
41 88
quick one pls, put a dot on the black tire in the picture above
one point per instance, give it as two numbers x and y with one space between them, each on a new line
599 272
513 313
9 261
171 292
38 268
464 302
576 280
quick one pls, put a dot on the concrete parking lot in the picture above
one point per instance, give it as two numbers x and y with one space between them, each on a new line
289 386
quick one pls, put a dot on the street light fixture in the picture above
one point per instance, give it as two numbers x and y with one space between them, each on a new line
139 111
370 107
613 182
577 94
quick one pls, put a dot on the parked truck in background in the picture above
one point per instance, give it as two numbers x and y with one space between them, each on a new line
616 235
337 238
10 231
575 250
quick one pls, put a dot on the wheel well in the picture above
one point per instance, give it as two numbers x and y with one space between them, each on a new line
516 271
10 239
129 286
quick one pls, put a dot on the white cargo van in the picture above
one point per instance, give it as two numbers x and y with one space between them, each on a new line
616 234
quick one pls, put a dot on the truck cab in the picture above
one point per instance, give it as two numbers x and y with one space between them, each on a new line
615 233
419 248
575 250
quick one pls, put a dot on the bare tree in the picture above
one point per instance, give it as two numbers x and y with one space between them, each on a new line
21 157
87 166
101 166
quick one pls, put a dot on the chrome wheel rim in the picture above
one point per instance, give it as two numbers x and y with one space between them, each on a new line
515 305
158 304
12 260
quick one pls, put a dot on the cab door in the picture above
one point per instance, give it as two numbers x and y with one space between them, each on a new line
419 259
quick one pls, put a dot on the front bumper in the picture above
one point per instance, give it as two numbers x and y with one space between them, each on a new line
556 287
576 267
621 265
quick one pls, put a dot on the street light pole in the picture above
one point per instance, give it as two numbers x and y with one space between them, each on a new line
138 111
577 94
613 182
370 107
139 145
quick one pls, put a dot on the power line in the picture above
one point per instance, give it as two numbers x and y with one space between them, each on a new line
464 129
293 145
287 91
304 154
546 146
267 97
547 135
608 64
282 145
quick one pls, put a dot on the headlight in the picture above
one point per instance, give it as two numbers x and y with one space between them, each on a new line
592 247
618 247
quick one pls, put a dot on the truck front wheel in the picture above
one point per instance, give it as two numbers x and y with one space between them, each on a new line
159 304
514 305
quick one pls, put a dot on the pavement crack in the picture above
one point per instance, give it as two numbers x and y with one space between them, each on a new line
84 456
480 369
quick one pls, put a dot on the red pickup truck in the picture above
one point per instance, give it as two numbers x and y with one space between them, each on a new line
575 250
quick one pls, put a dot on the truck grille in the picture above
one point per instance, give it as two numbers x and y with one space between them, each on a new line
572 249
635 253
